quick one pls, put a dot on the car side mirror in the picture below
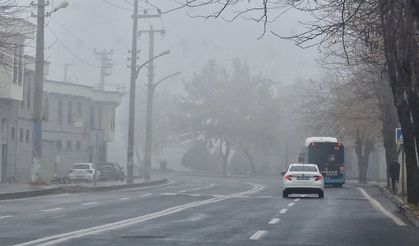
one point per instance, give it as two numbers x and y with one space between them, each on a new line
283 173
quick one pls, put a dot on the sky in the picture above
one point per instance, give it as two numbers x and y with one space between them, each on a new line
72 35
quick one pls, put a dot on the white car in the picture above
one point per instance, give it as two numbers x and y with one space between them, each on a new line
302 179
83 172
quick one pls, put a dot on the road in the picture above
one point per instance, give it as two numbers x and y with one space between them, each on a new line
206 211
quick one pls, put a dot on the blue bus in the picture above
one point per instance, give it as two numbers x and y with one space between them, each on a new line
328 154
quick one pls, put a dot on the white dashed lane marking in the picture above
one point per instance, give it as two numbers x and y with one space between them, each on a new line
124 198
258 235
51 209
194 194
274 221
6 216
168 194
283 211
297 199
148 194
89 203
291 204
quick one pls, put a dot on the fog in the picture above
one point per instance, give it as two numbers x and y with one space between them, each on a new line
73 34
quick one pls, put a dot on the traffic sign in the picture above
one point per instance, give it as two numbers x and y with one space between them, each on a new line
399 136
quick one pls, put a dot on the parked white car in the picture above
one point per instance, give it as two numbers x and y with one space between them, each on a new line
83 172
302 179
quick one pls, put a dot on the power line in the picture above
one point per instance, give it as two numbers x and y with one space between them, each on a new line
117 6
70 51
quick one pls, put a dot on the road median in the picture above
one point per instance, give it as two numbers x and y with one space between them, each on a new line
76 189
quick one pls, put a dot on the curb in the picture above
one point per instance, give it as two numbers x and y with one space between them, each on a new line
24 194
76 189
79 188
403 207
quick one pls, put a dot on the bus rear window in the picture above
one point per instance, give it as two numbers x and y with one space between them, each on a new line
303 169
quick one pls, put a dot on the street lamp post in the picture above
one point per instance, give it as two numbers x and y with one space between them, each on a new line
131 117
149 125
39 86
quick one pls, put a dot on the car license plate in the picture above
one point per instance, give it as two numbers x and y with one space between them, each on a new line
302 178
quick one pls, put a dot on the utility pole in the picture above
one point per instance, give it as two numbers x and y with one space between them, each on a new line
149 113
131 116
134 75
105 66
38 92
66 65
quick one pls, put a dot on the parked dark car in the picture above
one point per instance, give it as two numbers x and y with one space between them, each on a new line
111 171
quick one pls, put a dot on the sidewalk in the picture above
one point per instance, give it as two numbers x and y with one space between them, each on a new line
19 190
410 211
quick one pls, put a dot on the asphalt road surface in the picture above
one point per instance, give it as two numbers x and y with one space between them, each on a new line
207 211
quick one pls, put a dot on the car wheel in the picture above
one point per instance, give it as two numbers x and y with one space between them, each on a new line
321 194
284 194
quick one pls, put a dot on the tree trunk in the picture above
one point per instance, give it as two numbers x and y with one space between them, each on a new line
400 50
363 150
225 154
250 157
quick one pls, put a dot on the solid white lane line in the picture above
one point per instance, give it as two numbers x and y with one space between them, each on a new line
89 203
274 221
379 207
51 209
297 199
59 238
182 191
6 216
124 198
291 204
283 211
257 235
148 194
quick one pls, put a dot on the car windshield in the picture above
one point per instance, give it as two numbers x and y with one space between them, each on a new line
303 169
81 166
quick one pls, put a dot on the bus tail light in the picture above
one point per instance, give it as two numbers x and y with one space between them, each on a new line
342 168
288 177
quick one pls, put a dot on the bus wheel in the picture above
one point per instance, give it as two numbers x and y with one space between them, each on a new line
321 194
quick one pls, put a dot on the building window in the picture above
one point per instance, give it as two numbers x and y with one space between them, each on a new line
113 120
100 117
27 135
70 113
29 95
20 65
92 116
69 147
60 113
21 134
59 144
78 146
79 110
12 133
45 110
